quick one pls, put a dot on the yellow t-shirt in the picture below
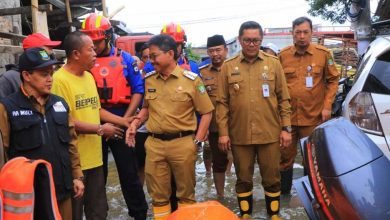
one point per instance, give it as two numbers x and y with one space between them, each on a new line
82 97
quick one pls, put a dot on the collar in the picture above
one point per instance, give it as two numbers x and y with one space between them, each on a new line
213 68
176 72
309 50
260 56
112 51
31 97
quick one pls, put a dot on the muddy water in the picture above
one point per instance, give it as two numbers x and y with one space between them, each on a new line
290 206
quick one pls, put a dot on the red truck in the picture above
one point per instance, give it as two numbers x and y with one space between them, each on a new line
132 43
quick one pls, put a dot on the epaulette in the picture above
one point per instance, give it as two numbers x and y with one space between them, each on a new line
269 55
204 66
286 48
232 58
150 74
190 74
320 47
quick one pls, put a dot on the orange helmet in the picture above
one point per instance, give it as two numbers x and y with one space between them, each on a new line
96 26
175 31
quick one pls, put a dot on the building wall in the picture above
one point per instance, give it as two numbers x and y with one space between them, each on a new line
9 24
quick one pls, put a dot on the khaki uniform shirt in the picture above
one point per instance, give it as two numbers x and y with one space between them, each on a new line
244 112
308 103
172 102
73 152
210 80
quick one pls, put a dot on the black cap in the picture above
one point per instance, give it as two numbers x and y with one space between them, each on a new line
215 40
36 58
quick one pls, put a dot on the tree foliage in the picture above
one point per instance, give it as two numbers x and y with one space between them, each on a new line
331 10
190 53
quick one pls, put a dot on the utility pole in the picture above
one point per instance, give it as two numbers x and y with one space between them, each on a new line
359 13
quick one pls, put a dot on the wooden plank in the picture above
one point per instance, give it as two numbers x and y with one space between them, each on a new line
104 7
34 15
12 36
26 10
10 49
39 19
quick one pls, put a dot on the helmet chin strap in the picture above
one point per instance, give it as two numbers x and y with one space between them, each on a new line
107 46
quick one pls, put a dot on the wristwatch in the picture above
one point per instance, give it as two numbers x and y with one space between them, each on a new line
100 131
287 128
196 142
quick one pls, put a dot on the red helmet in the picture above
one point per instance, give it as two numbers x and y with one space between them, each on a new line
175 31
96 26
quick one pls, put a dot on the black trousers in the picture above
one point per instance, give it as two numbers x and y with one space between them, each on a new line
126 164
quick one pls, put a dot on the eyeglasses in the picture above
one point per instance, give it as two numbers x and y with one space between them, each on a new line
248 41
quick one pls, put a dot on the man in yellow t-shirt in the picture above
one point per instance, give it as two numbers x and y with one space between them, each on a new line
78 88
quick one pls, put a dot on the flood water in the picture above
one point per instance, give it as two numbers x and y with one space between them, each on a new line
205 190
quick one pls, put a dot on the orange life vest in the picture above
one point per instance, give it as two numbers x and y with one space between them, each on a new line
209 210
112 85
1 205
21 197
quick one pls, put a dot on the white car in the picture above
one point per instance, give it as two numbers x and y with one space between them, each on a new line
367 104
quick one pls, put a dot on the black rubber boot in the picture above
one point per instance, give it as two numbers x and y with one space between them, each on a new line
245 201
286 177
272 202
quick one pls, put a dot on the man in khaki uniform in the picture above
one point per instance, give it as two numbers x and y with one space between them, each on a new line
312 80
217 51
252 108
172 95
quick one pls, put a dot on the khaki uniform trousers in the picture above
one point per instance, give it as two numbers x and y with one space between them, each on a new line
289 154
163 157
268 157
65 208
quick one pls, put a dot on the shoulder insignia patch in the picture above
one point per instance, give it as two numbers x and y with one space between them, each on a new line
285 49
150 74
269 55
320 47
190 74
232 58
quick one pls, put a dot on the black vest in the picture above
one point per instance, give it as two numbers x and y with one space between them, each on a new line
38 136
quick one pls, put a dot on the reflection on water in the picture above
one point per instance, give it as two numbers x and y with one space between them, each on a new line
205 190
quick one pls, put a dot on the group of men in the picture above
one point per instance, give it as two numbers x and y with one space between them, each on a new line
255 105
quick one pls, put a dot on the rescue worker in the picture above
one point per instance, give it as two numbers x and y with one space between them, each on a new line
118 78
10 80
310 72
36 124
217 51
172 96
78 88
253 113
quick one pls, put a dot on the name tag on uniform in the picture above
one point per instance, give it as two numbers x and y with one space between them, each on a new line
309 81
265 90
59 107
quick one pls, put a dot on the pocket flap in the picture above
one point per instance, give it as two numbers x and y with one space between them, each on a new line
235 78
288 70
151 95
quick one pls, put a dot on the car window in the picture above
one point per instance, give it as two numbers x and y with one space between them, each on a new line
361 67
378 80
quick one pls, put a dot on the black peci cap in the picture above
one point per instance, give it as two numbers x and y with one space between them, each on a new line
215 40
36 58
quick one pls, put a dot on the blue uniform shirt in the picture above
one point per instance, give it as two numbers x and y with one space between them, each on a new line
133 77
